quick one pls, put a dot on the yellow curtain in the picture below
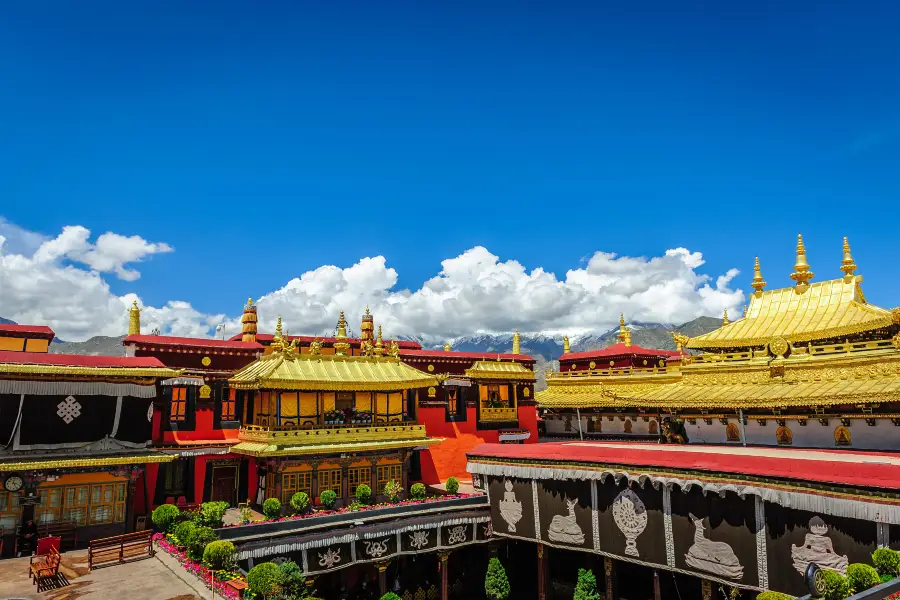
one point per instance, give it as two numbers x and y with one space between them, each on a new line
363 401
307 404
381 403
289 405
328 401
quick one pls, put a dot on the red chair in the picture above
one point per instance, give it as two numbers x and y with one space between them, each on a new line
45 544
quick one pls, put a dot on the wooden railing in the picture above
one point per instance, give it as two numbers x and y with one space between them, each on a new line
120 549
506 413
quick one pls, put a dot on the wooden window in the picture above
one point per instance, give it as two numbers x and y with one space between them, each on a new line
174 482
76 504
10 511
107 503
229 399
330 479
86 504
493 393
291 483
356 476
50 505
344 401
178 405
388 473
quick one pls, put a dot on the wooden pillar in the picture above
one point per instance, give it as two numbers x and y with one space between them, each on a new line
656 592
706 589
345 483
542 572
405 457
609 567
314 484
382 577
442 567
373 479
277 476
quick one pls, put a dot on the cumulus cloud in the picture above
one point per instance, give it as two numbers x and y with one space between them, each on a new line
61 283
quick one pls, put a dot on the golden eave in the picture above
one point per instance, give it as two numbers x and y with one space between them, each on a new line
489 369
826 309
105 372
69 463
263 449
291 371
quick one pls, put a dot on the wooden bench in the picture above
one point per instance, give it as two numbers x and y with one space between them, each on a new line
120 549
43 568
67 530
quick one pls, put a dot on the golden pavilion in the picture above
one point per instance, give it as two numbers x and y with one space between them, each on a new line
811 365
315 421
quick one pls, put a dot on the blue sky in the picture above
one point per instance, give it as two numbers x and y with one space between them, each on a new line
263 142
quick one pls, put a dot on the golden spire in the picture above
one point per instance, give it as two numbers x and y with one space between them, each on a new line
725 317
759 283
517 343
341 346
566 348
248 322
624 333
801 273
745 311
847 265
366 331
447 347
277 339
134 319
379 345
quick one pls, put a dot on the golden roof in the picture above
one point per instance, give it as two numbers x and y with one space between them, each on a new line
572 390
86 371
287 370
826 309
490 369
67 463
272 449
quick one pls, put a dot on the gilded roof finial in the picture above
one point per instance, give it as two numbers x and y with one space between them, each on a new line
566 348
725 317
277 330
277 339
517 343
847 265
447 347
367 328
379 345
624 333
759 284
341 346
134 319
367 310
801 273
745 311
248 322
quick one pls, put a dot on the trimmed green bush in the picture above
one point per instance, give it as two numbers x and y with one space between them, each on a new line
328 498
272 508
496 584
773 596
392 490
292 581
417 491
300 502
164 516
219 555
363 494
862 577
586 588
198 542
452 485
390 596
836 585
886 561
184 531
210 514
264 579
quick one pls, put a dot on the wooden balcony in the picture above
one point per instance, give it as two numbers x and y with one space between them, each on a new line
332 434
506 413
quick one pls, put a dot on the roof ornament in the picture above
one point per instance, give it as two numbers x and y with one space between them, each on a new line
566 348
134 319
447 347
847 265
745 311
394 350
801 273
379 345
341 346
725 318
624 333
277 339
249 322
315 347
759 284
517 343
680 340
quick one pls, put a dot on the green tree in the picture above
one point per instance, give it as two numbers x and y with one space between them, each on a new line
328 498
292 582
164 516
886 561
300 502
184 531
202 536
452 485
390 596
219 555
496 585
862 577
586 588
392 490
264 580
363 494
836 585
417 491
211 514
272 508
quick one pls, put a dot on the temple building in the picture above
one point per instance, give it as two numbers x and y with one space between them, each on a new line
811 365
77 433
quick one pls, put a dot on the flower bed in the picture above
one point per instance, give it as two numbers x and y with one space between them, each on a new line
353 508
211 579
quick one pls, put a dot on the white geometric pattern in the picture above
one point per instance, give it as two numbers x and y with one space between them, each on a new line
69 409
150 413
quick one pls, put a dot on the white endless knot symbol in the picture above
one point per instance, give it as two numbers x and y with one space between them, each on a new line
457 534
418 539
69 410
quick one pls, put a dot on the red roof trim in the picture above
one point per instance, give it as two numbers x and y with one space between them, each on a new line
267 337
442 354
166 340
620 350
38 331
77 360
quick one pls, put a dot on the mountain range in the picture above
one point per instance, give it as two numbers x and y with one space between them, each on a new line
543 347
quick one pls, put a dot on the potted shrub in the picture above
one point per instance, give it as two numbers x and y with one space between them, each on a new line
272 508
417 491
219 555
452 485
264 579
363 494
201 538
164 516
328 498
862 577
392 490
183 533
300 502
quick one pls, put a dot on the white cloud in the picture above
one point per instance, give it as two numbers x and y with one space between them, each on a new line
61 284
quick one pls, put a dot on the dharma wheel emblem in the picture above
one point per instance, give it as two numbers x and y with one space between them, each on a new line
206 361
778 346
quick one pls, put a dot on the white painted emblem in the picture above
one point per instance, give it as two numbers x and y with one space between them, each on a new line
630 516
68 410
330 558
564 528
510 507
713 557
418 539
376 548
457 535
150 413
819 549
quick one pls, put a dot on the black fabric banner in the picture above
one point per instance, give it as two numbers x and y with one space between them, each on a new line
419 540
452 535
9 412
329 557
376 548
135 421
794 538
631 521
565 512
512 506
49 420
715 535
